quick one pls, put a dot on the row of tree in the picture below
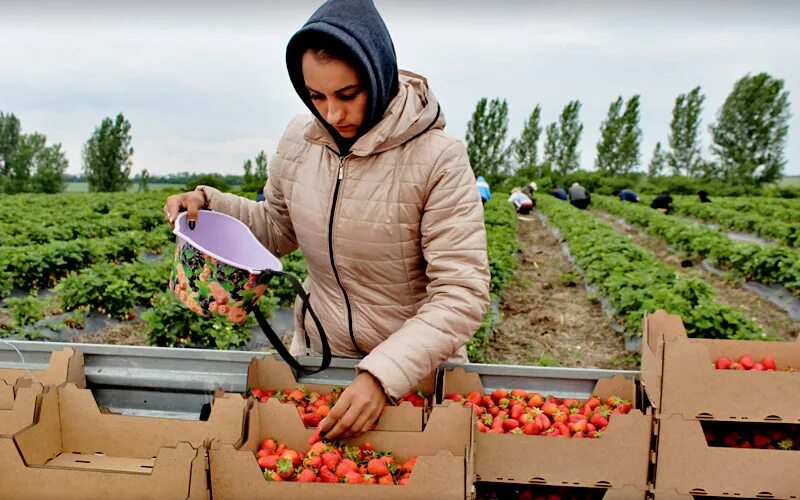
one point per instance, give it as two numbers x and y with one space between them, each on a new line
748 138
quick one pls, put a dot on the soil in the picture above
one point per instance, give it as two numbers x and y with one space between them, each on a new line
764 313
548 323
126 333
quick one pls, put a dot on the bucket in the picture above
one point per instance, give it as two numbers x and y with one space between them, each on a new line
220 270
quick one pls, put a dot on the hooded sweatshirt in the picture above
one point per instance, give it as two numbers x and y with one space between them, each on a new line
357 27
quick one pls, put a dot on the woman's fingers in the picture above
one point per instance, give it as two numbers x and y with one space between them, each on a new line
336 413
190 202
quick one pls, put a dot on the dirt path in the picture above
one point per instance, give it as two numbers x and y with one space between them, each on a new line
767 315
126 333
545 320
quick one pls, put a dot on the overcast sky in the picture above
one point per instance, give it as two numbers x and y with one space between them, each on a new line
204 84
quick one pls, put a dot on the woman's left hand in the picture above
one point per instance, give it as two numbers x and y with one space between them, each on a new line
357 409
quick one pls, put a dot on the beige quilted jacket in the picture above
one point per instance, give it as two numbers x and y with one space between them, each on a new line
392 233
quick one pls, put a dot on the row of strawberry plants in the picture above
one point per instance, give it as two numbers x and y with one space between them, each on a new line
767 264
782 225
500 221
635 282
40 266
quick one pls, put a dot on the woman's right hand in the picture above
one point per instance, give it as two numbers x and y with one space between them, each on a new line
190 202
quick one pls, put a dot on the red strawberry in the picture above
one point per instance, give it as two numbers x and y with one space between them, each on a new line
376 467
270 462
530 429
519 394
296 396
593 402
306 476
736 366
330 460
516 412
284 468
312 419
549 408
326 476
353 477
474 398
723 363
759 367
761 441
270 445
535 400
454 396
257 393
313 461
769 363
316 437
499 394
408 465
346 466
578 435
510 424
599 421
747 362
387 480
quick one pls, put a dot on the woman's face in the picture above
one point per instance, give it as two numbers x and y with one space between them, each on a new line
336 92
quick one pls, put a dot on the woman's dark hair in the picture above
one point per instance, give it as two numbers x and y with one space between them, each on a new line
326 48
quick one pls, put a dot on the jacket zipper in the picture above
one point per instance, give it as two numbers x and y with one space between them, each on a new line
339 177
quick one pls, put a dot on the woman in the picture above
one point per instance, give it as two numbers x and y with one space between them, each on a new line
382 204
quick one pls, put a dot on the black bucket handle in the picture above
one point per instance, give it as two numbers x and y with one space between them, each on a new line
276 341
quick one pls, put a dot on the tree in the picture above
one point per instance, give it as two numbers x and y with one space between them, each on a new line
254 181
610 136
550 148
683 138
261 172
750 133
657 162
486 136
10 130
49 165
526 147
144 180
569 136
631 137
248 171
107 156
21 162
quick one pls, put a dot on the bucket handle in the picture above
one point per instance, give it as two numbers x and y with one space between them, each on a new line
276 341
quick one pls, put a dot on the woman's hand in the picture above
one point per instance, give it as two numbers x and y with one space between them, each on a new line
190 202
358 408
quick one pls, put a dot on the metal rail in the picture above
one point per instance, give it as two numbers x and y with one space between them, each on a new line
160 381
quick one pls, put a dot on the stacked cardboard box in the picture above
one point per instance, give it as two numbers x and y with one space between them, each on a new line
65 366
681 381
443 451
74 450
617 462
270 373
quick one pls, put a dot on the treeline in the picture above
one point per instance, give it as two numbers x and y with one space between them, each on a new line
747 140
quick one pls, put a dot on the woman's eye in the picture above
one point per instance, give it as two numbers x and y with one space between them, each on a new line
317 97
349 97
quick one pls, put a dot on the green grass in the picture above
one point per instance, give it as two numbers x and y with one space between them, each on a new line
790 181
83 187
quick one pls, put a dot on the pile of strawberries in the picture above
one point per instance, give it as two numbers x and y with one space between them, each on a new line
763 436
497 491
313 406
520 412
328 462
746 363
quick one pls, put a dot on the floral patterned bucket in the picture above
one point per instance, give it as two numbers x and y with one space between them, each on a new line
221 270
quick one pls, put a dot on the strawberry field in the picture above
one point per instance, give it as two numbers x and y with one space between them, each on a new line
77 264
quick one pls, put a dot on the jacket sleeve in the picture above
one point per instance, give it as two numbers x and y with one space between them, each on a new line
269 220
454 247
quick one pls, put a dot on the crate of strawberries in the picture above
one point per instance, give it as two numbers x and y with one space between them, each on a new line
535 438
282 458
270 378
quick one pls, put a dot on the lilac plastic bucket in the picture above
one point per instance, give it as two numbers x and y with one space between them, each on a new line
220 268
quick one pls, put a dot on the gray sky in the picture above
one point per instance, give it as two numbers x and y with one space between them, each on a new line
204 84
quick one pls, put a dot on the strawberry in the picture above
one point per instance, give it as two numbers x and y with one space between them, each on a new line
312 461
387 480
503 402
284 468
292 456
761 441
378 468
510 424
317 448
747 362
257 393
316 437
516 412
408 465
353 477
346 466
519 394
599 421
323 410
496 430
593 402
296 396
474 398
330 460
736 366
549 408
560 416
271 475
578 434
269 462
312 419
454 396
499 394
326 476
487 401
306 476
614 401
723 363
481 426
542 421
579 426
402 481
786 444
270 445
769 363
759 367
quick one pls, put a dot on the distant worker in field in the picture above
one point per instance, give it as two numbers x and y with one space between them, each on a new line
627 195
521 201
662 202
260 195
703 195
579 196
558 192
483 190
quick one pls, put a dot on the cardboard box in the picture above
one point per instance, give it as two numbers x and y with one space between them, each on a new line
72 451
272 373
619 459
17 405
509 491
443 452
679 376
687 465
65 367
